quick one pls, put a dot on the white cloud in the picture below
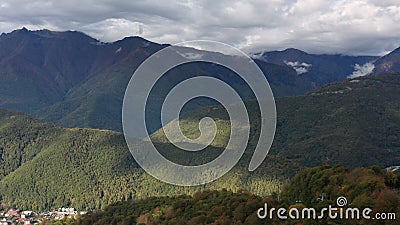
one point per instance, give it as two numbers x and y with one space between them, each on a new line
191 55
299 67
362 70
318 26
113 29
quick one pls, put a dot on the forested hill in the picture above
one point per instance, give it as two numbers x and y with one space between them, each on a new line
355 123
44 167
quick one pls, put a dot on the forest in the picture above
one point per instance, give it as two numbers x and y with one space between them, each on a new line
363 187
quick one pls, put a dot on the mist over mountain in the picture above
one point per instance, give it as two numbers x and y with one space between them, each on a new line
320 69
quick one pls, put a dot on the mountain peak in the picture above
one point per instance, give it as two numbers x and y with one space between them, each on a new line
294 50
64 34
134 39
23 30
48 34
288 51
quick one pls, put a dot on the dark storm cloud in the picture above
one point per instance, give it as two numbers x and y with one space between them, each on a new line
320 26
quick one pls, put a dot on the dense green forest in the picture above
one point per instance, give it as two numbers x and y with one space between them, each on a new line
87 169
354 123
374 188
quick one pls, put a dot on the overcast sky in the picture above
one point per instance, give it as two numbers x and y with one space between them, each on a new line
318 26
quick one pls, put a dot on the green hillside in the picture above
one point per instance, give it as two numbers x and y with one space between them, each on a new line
21 139
44 167
354 123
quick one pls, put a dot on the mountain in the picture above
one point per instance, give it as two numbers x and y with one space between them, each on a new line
44 166
320 69
388 63
68 77
97 102
354 123
38 68
73 80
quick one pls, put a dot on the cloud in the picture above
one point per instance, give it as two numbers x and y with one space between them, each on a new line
299 67
362 70
113 29
319 26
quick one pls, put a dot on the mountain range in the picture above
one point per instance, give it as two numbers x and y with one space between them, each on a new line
73 80
60 115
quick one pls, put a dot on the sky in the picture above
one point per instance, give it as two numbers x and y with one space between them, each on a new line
351 27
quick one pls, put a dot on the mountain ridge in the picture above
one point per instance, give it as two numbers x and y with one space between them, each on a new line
328 124
73 80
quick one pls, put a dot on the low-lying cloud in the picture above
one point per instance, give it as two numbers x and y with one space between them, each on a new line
362 70
299 67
